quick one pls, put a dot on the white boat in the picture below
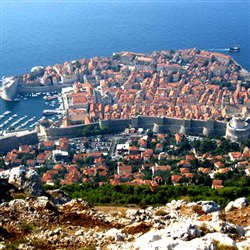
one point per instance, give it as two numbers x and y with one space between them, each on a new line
6 113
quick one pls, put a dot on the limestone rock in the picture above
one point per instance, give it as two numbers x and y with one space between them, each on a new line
228 228
27 180
196 244
185 231
18 205
243 245
58 197
221 240
42 202
79 232
116 234
238 203
209 206
75 205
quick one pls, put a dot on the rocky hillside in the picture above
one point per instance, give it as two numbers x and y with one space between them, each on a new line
55 222
37 223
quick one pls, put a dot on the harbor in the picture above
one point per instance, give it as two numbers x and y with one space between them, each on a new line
26 110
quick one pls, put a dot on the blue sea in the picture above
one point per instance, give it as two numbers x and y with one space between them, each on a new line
36 32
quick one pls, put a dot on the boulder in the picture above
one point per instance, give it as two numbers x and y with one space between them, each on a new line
155 239
116 234
58 197
147 238
228 228
79 232
209 206
238 203
184 231
196 244
221 240
243 245
42 202
75 205
19 205
25 180
131 213
229 207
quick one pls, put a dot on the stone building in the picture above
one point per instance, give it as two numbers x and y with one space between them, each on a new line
237 130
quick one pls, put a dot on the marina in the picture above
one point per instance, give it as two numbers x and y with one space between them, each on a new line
26 110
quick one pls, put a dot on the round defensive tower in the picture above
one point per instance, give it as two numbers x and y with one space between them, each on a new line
182 130
158 128
237 130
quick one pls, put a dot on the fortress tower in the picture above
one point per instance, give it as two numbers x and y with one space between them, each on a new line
9 88
237 130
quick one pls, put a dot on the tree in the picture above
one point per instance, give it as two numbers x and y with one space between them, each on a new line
2 164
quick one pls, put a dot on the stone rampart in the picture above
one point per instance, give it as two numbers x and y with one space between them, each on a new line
115 125
72 131
25 90
14 140
158 124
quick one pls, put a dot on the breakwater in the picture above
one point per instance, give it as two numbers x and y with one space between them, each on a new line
9 93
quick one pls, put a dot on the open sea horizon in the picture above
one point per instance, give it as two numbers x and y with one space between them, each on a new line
36 32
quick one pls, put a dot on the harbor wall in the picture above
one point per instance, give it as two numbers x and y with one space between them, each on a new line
14 140
10 93
26 90
157 124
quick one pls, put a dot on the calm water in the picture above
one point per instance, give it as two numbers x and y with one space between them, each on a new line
48 32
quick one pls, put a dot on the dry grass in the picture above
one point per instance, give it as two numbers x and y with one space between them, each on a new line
140 227
198 209
114 211
240 217
161 212
205 230
220 246
205 217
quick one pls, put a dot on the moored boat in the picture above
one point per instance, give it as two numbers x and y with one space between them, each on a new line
235 48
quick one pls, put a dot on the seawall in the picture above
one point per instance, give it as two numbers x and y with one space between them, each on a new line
25 90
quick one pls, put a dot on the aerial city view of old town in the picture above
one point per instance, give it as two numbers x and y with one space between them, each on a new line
131 151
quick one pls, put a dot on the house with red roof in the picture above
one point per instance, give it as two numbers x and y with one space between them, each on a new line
217 184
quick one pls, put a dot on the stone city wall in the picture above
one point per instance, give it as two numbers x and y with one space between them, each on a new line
11 141
25 90
158 124
72 131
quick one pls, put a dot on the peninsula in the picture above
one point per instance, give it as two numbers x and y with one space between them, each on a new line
184 85
191 84
136 130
